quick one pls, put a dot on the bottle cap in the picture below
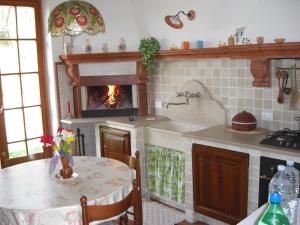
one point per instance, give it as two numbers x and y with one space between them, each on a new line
281 168
275 198
290 162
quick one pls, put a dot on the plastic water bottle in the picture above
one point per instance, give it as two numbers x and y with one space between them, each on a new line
293 175
280 184
274 214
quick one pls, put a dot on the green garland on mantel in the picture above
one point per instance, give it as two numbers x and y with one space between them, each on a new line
149 47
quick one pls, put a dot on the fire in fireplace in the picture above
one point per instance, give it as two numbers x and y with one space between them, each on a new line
109 97
108 100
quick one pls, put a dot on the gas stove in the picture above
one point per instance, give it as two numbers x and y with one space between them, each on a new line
283 138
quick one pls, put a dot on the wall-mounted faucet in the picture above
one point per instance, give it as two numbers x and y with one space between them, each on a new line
187 96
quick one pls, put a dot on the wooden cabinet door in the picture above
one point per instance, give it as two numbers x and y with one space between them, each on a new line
220 182
116 140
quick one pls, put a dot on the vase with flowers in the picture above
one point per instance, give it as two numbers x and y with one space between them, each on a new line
62 145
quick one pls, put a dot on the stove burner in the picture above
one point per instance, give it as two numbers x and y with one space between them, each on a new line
283 138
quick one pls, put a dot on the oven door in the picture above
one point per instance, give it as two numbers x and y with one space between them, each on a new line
268 167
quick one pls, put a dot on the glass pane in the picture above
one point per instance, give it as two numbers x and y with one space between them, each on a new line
14 125
31 89
28 56
17 150
9 57
26 22
8 22
11 91
34 146
33 122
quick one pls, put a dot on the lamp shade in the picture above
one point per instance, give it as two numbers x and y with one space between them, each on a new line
75 17
175 22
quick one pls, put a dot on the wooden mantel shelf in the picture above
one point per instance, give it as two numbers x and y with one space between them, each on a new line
260 56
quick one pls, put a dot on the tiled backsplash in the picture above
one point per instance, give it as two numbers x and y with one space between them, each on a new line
230 82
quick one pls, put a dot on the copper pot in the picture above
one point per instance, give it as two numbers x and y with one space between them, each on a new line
244 121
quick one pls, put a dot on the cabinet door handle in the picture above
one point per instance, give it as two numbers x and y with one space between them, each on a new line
1 109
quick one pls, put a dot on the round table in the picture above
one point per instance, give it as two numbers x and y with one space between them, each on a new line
30 196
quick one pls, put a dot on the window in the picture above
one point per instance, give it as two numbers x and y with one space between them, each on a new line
24 118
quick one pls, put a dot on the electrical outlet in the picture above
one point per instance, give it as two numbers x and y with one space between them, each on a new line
267 116
158 104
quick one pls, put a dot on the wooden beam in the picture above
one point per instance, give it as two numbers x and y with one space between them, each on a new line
101 80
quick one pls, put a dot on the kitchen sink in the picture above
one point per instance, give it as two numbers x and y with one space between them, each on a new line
176 126
169 134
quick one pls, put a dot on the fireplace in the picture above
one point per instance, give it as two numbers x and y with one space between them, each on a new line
80 84
109 100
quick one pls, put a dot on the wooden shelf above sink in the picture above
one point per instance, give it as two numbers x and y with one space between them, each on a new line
260 56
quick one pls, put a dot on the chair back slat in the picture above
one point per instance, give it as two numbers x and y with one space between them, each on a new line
108 211
92 213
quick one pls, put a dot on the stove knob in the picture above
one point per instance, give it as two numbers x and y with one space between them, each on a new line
288 144
280 143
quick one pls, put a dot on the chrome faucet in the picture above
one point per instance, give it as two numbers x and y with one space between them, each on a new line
297 118
187 96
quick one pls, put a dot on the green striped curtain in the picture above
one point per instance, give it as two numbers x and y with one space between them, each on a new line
166 176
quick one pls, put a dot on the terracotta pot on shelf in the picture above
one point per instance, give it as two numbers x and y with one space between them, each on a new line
244 121
67 171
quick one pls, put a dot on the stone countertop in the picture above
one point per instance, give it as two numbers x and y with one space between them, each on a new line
219 134
138 121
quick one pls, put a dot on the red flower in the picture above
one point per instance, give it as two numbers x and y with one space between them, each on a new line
69 130
59 22
47 139
81 20
60 129
93 11
56 12
74 11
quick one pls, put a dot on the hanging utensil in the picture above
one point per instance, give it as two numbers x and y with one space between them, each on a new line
294 92
285 78
280 97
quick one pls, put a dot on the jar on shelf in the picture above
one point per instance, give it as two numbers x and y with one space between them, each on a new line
87 48
231 40
105 48
122 45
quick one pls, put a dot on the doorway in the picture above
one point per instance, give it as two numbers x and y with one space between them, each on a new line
23 98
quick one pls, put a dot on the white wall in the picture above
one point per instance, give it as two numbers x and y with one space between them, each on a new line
273 19
215 21
49 67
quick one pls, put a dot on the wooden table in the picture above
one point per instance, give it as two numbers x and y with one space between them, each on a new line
30 196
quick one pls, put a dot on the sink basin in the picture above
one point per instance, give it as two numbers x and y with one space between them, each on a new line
175 126
168 134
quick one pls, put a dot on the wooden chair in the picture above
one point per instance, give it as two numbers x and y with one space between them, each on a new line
92 213
130 161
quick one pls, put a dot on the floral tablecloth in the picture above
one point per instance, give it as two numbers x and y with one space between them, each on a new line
30 196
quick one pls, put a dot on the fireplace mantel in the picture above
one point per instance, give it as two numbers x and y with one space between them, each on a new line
260 56
139 78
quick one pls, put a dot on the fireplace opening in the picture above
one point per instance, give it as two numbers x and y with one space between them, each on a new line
109 97
109 100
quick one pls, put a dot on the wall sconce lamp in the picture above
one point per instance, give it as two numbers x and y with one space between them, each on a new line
175 22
